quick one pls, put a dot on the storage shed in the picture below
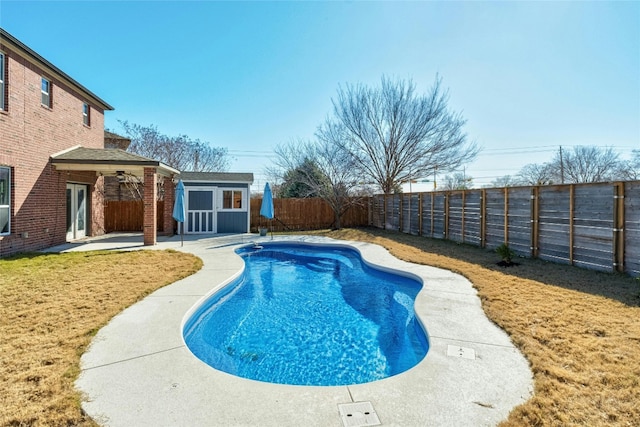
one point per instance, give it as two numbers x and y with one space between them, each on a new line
216 202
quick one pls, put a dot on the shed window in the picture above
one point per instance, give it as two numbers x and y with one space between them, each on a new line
5 200
233 199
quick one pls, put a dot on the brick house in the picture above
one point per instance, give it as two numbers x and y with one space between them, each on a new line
53 158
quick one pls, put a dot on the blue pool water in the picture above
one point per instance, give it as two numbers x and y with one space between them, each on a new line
309 315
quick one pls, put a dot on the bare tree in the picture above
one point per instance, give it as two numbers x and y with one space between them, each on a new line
506 181
536 174
456 181
630 170
585 164
333 176
394 134
180 152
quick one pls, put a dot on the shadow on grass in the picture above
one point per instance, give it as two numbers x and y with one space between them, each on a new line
615 286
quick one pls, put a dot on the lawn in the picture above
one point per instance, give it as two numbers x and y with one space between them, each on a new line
50 307
579 329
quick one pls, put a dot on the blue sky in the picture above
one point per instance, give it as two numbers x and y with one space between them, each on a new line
527 76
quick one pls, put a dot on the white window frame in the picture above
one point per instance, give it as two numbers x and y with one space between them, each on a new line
244 199
3 81
86 114
45 95
6 206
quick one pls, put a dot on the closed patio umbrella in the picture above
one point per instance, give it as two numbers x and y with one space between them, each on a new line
266 209
178 209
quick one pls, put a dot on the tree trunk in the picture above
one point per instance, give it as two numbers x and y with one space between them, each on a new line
336 222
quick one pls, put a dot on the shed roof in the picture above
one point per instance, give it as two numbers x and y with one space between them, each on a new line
239 177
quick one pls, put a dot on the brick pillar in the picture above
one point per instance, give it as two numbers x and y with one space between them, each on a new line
169 200
150 206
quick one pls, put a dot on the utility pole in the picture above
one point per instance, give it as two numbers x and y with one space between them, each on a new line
434 177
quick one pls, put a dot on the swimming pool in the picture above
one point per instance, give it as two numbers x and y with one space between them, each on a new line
309 315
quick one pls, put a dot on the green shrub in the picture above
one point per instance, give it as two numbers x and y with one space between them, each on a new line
505 252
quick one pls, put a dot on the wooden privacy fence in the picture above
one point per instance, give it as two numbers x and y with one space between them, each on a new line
595 226
306 214
128 215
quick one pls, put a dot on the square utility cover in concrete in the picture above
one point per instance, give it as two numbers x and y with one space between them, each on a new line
464 352
358 414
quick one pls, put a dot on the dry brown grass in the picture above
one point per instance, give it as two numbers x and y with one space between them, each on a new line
579 329
50 308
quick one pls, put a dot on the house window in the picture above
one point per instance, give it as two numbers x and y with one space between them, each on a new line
46 92
86 114
3 83
5 200
233 200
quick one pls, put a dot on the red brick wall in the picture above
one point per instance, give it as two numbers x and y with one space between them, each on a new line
169 189
29 134
150 223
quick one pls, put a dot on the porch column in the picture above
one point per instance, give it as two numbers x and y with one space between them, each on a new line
169 200
150 206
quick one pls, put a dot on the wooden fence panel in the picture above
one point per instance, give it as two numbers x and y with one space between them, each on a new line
456 216
473 217
553 224
306 214
406 213
377 211
519 220
426 213
393 212
439 216
631 229
414 218
128 216
593 225
495 212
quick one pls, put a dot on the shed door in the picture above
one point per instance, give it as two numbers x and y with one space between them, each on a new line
201 216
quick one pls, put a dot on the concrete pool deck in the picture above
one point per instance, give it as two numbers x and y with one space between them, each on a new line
138 371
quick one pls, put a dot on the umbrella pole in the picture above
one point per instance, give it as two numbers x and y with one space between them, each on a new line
182 234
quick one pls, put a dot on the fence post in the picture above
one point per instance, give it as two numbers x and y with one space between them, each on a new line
571 215
446 215
483 218
464 193
432 221
535 214
400 216
618 227
420 214
506 216
384 212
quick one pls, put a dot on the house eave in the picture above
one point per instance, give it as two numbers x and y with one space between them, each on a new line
107 169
